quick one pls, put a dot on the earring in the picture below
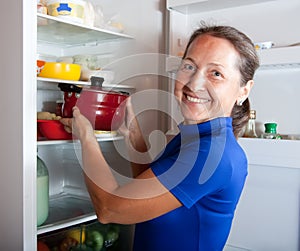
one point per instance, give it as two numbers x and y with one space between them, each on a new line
239 103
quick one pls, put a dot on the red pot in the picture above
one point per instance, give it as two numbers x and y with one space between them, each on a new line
105 109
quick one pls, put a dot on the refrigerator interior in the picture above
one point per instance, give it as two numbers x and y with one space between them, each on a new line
69 202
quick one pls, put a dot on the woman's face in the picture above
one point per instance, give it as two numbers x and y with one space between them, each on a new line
208 80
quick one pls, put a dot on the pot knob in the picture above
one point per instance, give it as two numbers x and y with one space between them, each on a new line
97 81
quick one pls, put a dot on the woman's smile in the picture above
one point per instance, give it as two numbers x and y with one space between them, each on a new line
195 99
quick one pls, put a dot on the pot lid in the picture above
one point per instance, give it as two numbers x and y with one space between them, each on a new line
96 86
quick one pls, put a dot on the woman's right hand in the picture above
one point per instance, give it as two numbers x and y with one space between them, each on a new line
79 125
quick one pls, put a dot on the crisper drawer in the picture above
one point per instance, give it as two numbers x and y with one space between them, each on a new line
92 236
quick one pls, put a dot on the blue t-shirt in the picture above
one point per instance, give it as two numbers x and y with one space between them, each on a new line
205 169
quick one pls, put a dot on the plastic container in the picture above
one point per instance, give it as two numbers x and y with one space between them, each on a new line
70 10
42 191
61 70
53 130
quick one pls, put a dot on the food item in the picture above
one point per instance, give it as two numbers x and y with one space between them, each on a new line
47 116
111 237
82 247
77 234
100 134
39 66
95 240
71 10
41 246
67 244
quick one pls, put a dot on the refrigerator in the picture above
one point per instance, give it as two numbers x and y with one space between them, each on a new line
31 35
268 214
144 57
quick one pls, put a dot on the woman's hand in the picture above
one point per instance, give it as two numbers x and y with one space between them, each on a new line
79 125
130 129
130 123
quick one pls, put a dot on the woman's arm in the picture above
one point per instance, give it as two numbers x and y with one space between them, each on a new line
141 199
135 142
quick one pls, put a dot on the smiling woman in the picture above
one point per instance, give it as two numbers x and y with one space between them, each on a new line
208 81
186 198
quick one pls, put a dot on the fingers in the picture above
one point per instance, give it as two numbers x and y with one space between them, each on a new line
129 108
76 111
68 129
66 121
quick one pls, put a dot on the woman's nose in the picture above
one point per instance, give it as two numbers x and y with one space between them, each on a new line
197 82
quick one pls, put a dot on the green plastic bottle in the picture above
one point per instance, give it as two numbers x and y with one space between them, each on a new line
42 191
271 131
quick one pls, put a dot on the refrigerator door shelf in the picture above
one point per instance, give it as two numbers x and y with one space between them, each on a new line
197 6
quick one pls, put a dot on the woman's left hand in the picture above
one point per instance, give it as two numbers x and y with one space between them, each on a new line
79 125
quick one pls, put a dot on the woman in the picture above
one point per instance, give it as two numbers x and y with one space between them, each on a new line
185 199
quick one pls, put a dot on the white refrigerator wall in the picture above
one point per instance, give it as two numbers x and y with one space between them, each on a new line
267 216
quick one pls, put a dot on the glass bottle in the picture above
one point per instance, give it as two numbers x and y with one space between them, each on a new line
271 131
42 191
250 131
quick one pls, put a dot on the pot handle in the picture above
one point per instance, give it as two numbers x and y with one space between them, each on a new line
69 88
97 81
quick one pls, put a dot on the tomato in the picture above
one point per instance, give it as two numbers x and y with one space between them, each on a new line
41 246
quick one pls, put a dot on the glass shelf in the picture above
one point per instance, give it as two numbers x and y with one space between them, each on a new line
43 83
67 210
53 30
59 142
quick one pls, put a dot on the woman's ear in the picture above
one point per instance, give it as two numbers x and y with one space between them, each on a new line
244 92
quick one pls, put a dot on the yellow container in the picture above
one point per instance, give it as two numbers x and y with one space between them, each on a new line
71 10
64 71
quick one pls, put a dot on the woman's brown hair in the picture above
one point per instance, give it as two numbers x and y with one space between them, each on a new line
249 62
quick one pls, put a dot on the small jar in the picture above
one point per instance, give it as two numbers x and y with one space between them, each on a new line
250 131
271 131
42 191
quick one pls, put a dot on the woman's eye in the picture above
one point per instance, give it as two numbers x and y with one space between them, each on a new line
216 74
188 68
